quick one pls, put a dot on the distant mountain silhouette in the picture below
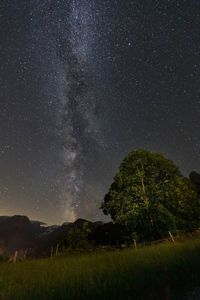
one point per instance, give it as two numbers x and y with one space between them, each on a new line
17 233
35 237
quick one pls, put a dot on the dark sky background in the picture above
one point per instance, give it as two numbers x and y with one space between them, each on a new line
82 83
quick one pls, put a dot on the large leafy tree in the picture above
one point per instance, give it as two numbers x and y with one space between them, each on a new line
150 197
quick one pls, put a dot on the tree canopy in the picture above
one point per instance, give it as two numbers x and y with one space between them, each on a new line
150 196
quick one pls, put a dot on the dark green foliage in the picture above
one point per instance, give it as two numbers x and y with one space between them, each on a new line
150 197
3 258
78 238
195 180
109 234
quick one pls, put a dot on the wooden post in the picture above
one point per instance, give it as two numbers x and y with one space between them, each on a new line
51 255
57 247
171 236
135 244
15 257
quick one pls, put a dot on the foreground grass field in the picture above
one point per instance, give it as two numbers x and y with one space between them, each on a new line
165 271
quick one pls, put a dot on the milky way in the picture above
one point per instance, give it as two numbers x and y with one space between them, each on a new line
83 82
69 38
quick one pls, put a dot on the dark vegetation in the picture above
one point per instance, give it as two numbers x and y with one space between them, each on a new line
150 197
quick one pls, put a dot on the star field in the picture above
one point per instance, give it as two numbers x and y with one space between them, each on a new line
84 82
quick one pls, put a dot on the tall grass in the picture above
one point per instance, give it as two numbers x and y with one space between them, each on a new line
165 271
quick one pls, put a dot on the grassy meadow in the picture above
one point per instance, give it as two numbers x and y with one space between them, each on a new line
164 271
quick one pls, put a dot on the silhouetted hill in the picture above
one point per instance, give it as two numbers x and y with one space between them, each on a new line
17 233
21 234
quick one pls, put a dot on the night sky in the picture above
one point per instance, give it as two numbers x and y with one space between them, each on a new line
82 83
